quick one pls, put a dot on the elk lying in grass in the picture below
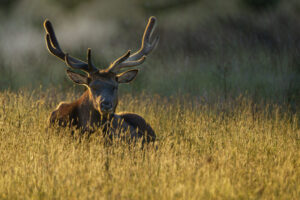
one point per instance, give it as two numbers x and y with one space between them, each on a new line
96 107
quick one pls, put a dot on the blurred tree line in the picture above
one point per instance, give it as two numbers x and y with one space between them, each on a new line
156 5
260 5
213 49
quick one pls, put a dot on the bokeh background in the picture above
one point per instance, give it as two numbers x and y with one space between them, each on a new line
213 50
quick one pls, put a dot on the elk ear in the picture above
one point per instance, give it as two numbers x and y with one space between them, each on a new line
77 78
127 76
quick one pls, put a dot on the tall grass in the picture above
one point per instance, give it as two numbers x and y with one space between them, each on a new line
231 150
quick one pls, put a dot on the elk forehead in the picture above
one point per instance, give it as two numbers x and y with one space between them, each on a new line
104 76
103 82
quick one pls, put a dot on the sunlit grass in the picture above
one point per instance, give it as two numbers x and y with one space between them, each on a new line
233 150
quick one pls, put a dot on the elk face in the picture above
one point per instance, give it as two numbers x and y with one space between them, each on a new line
103 87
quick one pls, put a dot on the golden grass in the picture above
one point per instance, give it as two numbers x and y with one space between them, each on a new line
229 151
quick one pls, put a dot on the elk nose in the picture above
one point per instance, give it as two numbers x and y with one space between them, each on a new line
106 105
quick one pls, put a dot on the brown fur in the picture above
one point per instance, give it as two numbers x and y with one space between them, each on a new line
139 123
82 115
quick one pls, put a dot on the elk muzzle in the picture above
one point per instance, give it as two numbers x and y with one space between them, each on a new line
106 107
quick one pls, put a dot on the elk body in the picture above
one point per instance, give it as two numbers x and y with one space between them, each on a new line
96 107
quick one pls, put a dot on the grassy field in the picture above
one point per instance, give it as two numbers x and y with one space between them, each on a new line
221 90
233 150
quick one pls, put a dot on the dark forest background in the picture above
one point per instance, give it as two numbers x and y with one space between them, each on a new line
214 50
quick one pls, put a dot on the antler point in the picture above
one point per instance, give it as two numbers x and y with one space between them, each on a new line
47 24
152 18
67 57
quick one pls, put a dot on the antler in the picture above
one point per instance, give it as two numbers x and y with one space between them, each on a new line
54 48
138 57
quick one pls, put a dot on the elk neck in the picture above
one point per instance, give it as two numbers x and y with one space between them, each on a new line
87 113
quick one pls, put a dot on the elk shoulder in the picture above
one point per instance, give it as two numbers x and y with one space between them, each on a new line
62 114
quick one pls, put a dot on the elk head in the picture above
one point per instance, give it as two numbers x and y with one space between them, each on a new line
103 84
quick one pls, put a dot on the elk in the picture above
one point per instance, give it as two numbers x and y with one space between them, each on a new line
96 107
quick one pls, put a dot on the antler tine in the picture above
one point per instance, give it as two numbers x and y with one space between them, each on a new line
132 63
51 41
146 46
92 67
138 57
115 66
81 66
54 48
89 68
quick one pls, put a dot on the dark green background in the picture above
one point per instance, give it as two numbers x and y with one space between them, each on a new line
214 50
